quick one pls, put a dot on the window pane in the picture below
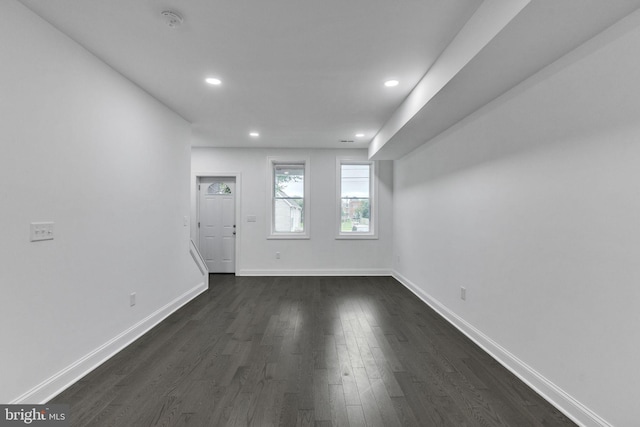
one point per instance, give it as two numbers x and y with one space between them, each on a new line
288 215
218 188
288 200
355 216
354 181
355 198
289 180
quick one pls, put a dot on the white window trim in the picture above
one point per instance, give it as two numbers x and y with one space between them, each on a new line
373 205
271 162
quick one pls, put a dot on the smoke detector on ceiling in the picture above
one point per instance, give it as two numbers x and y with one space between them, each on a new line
172 18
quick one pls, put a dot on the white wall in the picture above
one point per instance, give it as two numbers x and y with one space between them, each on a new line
533 205
322 253
87 149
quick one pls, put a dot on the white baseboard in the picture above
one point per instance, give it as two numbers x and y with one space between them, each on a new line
60 381
572 408
317 272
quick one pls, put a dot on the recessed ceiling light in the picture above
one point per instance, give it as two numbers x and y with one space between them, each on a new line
213 81
254 134
391 83
359 135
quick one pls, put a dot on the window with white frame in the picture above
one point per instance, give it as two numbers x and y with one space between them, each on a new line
289 188
356 203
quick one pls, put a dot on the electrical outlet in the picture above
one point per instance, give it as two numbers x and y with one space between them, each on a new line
277 255
132 299
463 293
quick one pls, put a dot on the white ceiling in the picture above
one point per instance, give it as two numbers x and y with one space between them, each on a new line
310 73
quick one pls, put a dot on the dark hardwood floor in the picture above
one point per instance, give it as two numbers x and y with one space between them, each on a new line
309 351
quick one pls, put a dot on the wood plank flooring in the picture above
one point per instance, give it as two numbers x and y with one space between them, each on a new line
305 351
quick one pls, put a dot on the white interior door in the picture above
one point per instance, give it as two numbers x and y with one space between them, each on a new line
217 224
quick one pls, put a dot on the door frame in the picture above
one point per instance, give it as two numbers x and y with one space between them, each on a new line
195 208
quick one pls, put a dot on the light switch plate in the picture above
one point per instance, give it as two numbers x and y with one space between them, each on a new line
41 231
